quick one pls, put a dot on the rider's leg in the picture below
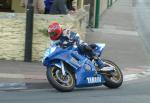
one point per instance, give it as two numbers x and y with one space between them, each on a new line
102 66
88 50
99 62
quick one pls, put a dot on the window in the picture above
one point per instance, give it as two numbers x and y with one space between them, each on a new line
5 6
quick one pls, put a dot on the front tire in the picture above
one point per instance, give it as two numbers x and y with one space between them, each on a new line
60 82
115 79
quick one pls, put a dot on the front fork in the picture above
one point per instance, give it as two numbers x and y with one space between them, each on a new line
62 67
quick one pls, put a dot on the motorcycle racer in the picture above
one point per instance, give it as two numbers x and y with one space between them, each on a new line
67 37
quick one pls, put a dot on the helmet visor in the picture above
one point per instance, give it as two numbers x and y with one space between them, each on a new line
52 34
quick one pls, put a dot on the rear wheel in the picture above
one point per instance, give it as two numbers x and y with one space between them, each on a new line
59 81
114 79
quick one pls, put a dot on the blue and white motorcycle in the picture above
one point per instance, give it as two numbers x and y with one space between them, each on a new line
67 69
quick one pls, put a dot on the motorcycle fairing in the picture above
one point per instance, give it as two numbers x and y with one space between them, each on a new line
70 57
99 48
82 67
88 71
84 70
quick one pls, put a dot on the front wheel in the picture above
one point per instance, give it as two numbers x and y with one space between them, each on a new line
114 79
59 81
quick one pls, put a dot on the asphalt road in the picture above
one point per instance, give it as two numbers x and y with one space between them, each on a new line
131 92
123 45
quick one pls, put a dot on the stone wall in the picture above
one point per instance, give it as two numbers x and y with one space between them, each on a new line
12 32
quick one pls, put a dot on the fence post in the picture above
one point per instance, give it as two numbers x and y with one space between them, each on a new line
97 14
29 31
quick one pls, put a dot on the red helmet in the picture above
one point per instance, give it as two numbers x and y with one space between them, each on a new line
55 31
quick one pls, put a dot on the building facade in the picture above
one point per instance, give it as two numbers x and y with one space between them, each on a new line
14 5
13 20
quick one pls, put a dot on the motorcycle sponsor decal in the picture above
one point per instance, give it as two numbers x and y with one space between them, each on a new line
74 61
87 67
65 56
93 79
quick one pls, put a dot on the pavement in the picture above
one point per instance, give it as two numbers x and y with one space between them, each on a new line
22 75
118 30
123 45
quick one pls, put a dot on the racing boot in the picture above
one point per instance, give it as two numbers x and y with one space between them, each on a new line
102 66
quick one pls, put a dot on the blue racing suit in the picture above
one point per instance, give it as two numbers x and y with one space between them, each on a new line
69 38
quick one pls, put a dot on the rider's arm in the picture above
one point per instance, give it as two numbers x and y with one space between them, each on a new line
74 37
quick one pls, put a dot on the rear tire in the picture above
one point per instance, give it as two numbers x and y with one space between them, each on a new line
60 82
116 78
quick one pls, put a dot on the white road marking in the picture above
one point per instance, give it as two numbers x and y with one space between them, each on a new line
22 76
127 77
12 86
130 77
23 86
7 75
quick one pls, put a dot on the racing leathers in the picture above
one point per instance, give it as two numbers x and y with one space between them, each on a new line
69 38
